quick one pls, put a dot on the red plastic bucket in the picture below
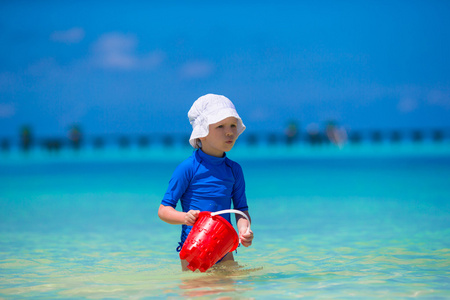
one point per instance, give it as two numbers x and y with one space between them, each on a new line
210 239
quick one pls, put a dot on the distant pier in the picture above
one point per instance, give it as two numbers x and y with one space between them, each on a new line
28 141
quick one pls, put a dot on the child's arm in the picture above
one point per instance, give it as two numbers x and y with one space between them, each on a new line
242 225
172 216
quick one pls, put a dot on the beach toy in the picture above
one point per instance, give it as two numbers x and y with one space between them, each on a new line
210 239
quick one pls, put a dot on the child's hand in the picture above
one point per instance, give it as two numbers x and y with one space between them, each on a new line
190 217
245 237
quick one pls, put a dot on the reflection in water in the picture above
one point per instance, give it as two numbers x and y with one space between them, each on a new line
219 279
208 285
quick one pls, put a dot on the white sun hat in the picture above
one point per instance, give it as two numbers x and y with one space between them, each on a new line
210 109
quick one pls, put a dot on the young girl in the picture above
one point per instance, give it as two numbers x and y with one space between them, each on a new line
208 180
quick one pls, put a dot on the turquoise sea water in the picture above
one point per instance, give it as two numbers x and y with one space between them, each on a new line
363 222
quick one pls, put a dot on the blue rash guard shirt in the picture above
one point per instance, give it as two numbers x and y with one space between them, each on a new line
206 183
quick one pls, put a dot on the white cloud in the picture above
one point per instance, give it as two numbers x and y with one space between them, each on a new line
412 97
116 43
7 110
405 98
196 69
115 50
118 51
71 36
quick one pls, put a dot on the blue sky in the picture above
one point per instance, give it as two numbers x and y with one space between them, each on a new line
137 66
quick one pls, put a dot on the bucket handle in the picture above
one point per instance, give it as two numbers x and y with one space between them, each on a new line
226 211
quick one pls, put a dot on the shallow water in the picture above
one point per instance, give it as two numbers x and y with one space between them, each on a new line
327 224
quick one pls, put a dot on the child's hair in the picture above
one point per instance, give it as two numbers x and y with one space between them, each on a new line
198 144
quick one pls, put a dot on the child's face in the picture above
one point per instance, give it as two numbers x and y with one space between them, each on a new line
221 138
